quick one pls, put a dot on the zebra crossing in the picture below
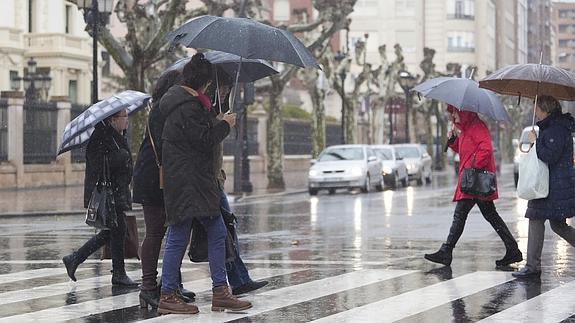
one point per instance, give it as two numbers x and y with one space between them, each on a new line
299 291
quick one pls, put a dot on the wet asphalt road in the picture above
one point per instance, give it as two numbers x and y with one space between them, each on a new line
347 257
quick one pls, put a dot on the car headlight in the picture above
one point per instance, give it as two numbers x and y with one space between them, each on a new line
410 166
387 170
356 171
313 172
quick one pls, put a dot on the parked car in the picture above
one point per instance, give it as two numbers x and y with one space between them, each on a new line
346 166
417 160
524 145
393 166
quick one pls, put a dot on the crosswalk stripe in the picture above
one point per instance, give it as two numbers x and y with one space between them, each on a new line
35 273
79 310
410 303
550 307
287 296
63 288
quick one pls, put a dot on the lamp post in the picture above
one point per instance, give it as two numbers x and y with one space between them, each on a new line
407 82
96 13
34 82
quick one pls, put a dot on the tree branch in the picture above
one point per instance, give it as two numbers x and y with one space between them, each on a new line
118 52
300 28
168 20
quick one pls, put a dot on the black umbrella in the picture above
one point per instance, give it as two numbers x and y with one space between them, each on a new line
244 37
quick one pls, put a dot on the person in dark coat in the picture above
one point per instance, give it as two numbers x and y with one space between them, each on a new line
147 192
474 148
189 142
108 139
554 148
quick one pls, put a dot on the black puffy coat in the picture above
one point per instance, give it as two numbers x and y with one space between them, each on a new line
190 138
555 148
105 140
146 173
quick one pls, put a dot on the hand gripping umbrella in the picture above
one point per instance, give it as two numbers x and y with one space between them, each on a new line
79 130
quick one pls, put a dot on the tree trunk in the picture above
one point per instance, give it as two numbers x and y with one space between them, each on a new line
428 128
318 122
350 125
275 139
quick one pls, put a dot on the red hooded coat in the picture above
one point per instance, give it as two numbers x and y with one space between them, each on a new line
473 140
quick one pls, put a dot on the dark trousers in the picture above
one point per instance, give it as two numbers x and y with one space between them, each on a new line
237 271
536 238
116 237
490 214
154 218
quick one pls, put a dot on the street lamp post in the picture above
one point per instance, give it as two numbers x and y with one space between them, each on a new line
96 13
407 82
34 82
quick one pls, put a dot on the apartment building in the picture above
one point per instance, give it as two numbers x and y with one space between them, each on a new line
563 19
540 32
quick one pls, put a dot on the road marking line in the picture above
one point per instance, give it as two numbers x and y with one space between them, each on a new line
420 300
553 306
76 311
35 273
278 298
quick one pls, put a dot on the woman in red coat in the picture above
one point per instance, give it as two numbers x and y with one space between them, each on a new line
474 148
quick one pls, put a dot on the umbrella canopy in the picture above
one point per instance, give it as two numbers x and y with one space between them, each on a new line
79 130
530 80
464 94
251 70
244 37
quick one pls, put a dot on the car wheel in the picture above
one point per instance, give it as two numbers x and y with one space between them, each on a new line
367 185
331 191
515 178
312 191
379 187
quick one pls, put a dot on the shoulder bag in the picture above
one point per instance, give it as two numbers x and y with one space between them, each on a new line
101 212
478 182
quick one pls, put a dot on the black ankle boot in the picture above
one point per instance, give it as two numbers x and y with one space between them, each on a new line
511 256
442 256
149 297
119 278
188 293
71 262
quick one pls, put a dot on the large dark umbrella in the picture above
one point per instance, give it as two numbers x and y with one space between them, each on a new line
244 37
464 94
252 69
531 80
79 130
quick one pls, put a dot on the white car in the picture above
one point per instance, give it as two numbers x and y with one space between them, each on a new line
345 166
393 166
417 160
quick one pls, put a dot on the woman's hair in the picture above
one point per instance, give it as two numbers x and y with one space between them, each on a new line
548 104
197 72
164 83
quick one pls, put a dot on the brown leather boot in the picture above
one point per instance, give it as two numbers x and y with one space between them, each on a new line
173 304
223 299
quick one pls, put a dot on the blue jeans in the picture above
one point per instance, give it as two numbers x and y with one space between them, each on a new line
176 243
237 271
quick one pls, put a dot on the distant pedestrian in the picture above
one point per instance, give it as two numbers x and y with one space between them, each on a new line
108 140
147 192
190 139
554 148
474 148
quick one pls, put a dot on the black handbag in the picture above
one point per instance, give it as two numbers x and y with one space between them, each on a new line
101 212
199 241
478 182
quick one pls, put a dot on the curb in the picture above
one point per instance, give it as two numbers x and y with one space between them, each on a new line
245 198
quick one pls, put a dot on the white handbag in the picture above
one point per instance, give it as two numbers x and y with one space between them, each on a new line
533 180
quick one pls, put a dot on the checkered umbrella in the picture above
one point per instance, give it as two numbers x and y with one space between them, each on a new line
79 130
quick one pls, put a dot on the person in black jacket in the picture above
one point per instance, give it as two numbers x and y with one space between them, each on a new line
554 147
190 138
108 140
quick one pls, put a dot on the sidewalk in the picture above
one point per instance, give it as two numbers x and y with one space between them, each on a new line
70 199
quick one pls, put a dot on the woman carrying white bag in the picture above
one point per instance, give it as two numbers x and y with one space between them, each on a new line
554 147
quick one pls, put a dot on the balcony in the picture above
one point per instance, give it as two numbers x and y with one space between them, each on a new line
453 49
460 16
11 38
58 45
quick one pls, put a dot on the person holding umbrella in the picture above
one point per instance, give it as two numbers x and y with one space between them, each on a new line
554 148
475 150
190 140
108 141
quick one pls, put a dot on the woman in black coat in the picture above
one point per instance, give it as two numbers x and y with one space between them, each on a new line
108 140
555 148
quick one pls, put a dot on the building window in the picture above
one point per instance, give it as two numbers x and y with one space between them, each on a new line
461 9
73 91
366 8
404 8
460 41
281 10
68 16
